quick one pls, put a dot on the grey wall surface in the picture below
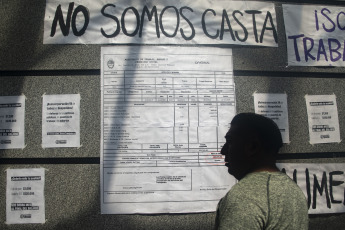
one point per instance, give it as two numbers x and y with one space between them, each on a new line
72 178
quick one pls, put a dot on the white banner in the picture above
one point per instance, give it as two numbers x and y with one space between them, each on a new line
160 22
322 184
314 35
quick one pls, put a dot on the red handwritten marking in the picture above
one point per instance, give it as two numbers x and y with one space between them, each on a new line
218 159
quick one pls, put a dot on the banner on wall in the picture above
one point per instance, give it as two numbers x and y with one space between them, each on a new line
314 35
160 22
322 184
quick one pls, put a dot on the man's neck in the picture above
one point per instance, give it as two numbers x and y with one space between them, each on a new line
268 168
266 165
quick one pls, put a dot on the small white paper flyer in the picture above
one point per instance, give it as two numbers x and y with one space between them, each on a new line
12 114
274 106
323 119
61 121
25 196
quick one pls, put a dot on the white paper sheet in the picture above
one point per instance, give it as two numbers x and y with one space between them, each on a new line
61 121
314 35
25 196
274 106
322 184
323 119
165 112
160 22
12 115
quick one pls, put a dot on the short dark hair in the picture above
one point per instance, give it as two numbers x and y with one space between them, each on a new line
265 128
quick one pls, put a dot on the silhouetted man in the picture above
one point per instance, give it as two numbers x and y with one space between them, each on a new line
264 198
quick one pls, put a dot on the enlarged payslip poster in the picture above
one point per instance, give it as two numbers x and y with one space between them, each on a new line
12 116
274 106
314 35
61 121
25 196
323 119
165 112
323 185
160 22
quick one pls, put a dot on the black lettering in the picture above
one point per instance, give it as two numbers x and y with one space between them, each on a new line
339 26
295 175
264 28
253 13
308 50
85 12
204 24
330 20
149 16
316 21
189 23
320 189
222 30
117 31
332 183
298 58
307 180
321 50
177 21
123 25
243 27
333 50
59 17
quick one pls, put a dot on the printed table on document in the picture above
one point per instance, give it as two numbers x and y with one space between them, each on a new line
156 118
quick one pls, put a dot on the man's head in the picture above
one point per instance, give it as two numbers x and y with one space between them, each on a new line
253 141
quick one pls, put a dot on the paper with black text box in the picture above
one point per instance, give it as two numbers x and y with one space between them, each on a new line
274 106
12 114
61 121
323 119
25 196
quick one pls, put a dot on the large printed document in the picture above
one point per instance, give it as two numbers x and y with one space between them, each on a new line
165 112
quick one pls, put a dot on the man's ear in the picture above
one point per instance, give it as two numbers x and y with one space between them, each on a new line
253 147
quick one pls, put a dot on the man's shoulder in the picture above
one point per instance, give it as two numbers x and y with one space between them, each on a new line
266 196
252 186
256 184
282 182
